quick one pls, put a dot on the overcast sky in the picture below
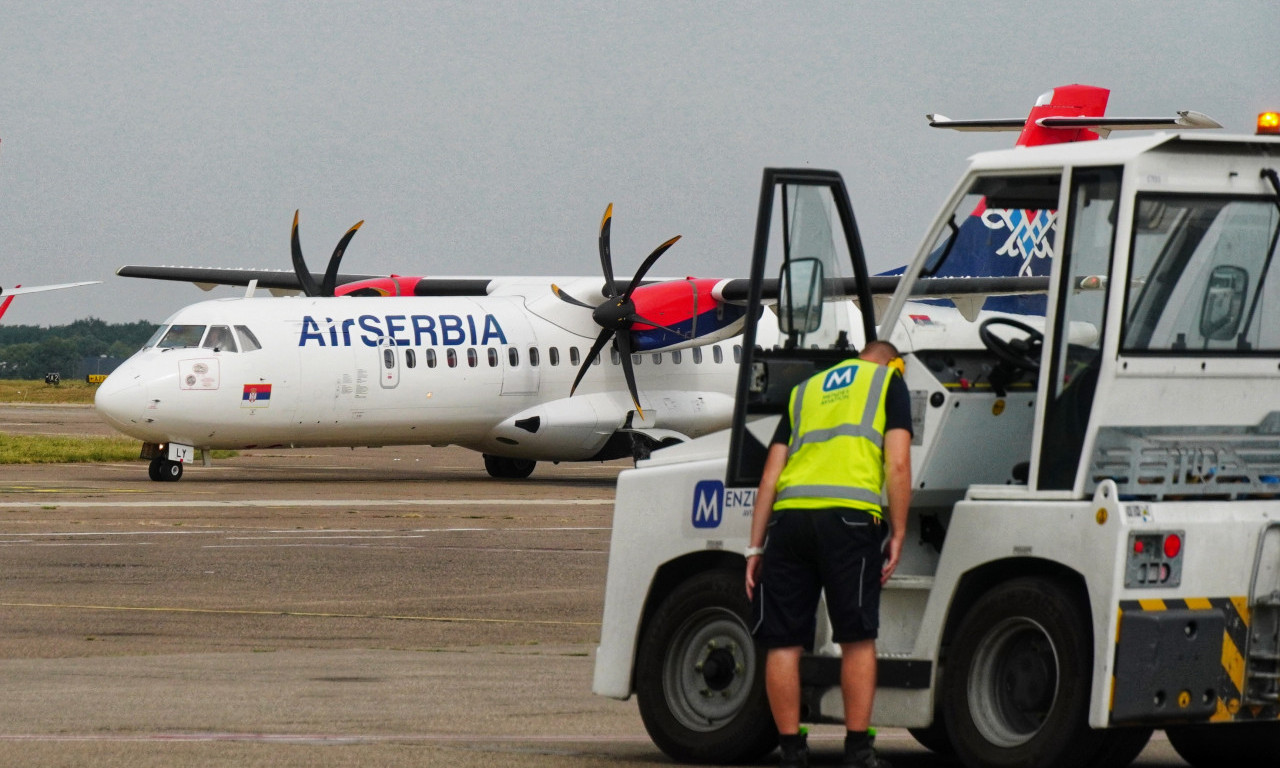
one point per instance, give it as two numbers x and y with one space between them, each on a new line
482 138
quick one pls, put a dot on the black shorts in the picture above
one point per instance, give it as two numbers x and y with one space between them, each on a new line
806 552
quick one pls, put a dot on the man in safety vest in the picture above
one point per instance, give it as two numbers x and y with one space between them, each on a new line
818 525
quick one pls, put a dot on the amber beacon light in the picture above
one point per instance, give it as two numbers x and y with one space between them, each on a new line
1269 124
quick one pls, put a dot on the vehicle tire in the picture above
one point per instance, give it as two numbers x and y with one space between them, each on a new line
1235 744
170 471
699 677
154 470
1017 679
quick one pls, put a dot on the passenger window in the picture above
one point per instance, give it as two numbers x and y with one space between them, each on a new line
657 358
613 354
182 336
431 358
513 357
220 339
596 360
410 358
737 353
451 357
473 358
717 355
574 357
493 357
388 358
248 342
553 355
533 357
636 358
675 357
697 355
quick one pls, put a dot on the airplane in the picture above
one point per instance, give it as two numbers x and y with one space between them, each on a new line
581 372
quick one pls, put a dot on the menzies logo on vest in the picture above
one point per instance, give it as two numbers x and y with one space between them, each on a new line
839 378
712 501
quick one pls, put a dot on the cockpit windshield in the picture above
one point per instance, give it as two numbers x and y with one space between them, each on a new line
220 338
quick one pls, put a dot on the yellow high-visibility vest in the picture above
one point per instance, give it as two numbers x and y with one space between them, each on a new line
836 454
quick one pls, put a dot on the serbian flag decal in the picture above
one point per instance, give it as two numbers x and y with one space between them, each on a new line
256 396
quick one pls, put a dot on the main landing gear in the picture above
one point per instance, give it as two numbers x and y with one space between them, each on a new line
510 469
164 470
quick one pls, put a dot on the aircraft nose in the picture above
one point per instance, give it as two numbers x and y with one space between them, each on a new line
121 399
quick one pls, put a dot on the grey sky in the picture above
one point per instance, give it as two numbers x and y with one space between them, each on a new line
486 138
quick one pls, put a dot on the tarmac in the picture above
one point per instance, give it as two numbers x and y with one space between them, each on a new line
335 607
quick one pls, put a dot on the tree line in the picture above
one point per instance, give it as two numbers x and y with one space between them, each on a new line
31 351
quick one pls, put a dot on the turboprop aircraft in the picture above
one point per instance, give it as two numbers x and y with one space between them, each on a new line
512 367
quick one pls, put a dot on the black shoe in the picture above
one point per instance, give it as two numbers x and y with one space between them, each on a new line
864 758
795 752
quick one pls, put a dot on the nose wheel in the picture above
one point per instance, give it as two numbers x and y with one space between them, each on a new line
164 470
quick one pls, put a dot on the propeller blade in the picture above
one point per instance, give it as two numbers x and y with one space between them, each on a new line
331 274
569 299
644 268
601 340
624 349
606 259
305 279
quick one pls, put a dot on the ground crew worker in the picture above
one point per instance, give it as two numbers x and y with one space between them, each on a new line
817 525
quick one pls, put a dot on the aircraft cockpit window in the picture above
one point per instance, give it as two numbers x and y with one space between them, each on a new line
182 336
219 338
248 342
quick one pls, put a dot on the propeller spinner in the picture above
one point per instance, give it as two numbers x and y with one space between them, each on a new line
617 314
305 278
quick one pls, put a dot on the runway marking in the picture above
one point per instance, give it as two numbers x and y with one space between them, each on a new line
299 614
331 738
334 533
223 504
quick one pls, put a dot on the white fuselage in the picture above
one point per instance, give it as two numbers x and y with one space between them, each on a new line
491 373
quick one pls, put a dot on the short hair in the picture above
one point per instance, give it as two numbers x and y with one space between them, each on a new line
880 347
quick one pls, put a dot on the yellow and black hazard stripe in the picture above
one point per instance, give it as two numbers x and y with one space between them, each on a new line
1235 644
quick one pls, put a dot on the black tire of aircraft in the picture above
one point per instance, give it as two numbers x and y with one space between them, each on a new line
1015 690
163 470
699 677
506 468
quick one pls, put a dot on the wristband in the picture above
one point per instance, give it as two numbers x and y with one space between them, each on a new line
753 551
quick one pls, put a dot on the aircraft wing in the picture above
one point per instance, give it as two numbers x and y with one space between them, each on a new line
277 280
38 288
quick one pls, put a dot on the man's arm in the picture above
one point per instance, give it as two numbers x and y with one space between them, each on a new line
765 495
897 466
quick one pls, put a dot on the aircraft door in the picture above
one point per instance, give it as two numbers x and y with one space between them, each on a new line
521 371
388 363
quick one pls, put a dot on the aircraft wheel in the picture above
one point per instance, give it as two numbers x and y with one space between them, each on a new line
170 471
505 468
699 677
154 470
1016 689
1227 743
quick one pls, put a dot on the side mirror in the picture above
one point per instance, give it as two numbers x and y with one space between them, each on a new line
1223 303
800 296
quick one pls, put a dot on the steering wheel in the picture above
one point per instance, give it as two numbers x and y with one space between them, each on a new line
1023 354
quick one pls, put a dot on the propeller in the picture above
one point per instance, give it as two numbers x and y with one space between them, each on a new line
617 314
305 278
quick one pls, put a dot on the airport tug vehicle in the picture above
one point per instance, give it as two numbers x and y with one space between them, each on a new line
1094 541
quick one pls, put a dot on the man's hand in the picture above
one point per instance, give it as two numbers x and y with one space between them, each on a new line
892 552
753 574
